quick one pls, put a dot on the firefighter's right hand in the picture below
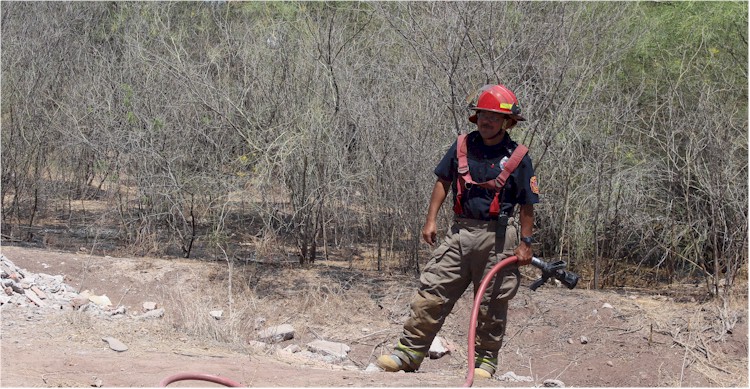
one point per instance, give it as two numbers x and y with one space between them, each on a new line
429 232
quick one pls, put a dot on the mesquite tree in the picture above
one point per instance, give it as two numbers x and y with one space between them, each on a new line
306 129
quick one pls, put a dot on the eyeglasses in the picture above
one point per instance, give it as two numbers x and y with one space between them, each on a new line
493 117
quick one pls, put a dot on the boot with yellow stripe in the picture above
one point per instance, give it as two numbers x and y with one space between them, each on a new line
484 368
403 358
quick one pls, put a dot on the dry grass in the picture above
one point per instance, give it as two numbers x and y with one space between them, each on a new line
333 304
701 334
79 320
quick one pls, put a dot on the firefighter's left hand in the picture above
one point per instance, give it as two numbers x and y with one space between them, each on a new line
524 254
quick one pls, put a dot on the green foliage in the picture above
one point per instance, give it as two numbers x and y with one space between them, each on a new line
686 38
128 95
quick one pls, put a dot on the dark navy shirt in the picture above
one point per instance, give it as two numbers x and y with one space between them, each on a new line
485 165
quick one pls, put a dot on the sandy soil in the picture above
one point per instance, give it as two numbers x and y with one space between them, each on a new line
644 340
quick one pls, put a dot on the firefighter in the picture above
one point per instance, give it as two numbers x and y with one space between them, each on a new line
483 234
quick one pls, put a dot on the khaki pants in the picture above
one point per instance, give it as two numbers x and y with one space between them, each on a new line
466 254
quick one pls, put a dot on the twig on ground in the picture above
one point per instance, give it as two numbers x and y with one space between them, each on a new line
384 341
123 296
315 333
682 369
369 335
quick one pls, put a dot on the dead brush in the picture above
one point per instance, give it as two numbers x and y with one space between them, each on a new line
79 320
191 315
326 305
701 334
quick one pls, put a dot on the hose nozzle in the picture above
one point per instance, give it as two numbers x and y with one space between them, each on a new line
554 270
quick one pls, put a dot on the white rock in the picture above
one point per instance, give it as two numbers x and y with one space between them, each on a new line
277 333
149 306
293 348
372 367
336 350
513 377
584 340
216 314
438 348
102 301
155 314
115 344
607 305
550 383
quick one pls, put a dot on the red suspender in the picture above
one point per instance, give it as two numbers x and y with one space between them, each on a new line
464 177
463 172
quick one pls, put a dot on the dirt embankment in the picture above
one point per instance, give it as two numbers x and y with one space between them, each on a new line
580 337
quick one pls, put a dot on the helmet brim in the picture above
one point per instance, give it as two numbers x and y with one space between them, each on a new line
473 118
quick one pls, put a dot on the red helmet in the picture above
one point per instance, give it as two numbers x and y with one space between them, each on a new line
496 98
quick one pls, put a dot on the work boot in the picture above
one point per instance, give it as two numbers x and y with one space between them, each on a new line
402 358
484 368
481 373
391 363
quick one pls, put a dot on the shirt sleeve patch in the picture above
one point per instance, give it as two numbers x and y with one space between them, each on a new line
534 185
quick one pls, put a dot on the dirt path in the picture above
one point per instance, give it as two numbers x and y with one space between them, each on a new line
571 336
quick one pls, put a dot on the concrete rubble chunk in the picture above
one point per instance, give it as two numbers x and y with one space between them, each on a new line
38 292
115 344
102 301
438 348
79 302
8 283
513 377
277 333
336 350
33 297
155 314
121 310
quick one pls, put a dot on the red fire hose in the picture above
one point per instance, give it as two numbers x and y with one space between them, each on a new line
475 314
199 377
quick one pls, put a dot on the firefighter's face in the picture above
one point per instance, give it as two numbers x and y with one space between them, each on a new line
492 124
